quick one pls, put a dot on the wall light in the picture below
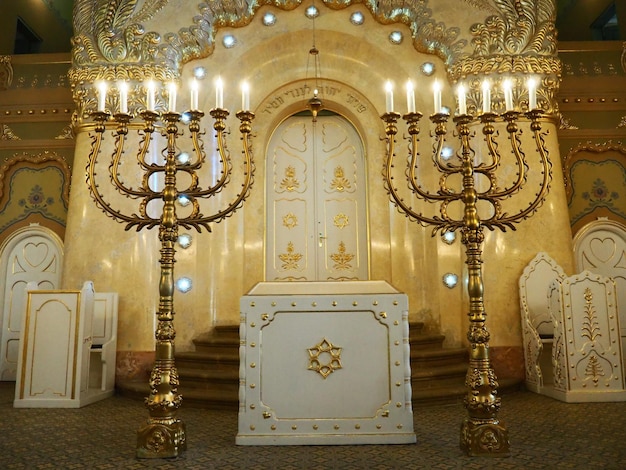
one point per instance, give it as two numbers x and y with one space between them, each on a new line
183 284
448 237
450 280
184 240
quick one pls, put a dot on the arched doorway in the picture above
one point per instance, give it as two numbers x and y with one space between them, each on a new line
316 201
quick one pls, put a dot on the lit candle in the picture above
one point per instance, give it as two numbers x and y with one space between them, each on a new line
194 94
461 99
532 93
123 87
410 97
389 97
508 94
437 96
171 107
102 95
150 91
245 96
486 86
219 93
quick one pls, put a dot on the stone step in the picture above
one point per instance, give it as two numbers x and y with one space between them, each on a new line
449 394
204 359
420 341
434 376
209 376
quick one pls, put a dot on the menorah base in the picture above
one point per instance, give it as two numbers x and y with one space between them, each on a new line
161 440
484 438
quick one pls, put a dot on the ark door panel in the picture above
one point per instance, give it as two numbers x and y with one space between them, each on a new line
316 202
34 257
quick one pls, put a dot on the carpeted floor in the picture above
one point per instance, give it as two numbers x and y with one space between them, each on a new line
544 434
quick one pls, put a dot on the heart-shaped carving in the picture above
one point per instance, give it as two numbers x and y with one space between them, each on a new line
35 253
602 249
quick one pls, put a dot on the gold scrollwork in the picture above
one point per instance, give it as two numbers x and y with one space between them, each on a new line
341 258
594 369
339 182
290 182
6 72
590 328
6 133
290 259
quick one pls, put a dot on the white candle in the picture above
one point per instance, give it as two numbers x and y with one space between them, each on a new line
389 97
194 94
123 87
486 86
150 92
102 95
461 99
245 96
410 97
531 83
508 94
437 96
219 93
171 88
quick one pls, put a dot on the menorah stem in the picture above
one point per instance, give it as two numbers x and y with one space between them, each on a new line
481 432
164 434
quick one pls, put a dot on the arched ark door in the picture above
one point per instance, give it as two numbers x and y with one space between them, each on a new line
35 254
316 201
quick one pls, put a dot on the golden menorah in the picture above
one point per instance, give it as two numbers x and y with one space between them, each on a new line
163 435
472 181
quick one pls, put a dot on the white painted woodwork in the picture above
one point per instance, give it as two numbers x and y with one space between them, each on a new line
324 363
56 355
586 351
537 323
600 247
34 254
104 341
316 202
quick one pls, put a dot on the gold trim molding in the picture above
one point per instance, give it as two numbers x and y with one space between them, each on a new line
111 42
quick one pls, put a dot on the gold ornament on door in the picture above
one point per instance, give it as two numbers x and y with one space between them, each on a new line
341 258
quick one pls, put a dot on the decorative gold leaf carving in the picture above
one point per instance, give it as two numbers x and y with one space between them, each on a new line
67 133
341 258
290 182
521 38
290 220
111 31
325 358
6 72
590 328
339 182
6 133
341 220
594 369
290 259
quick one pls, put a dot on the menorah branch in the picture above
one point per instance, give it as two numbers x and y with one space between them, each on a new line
163 434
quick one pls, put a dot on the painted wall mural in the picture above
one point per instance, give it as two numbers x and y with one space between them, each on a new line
34 189
595 178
